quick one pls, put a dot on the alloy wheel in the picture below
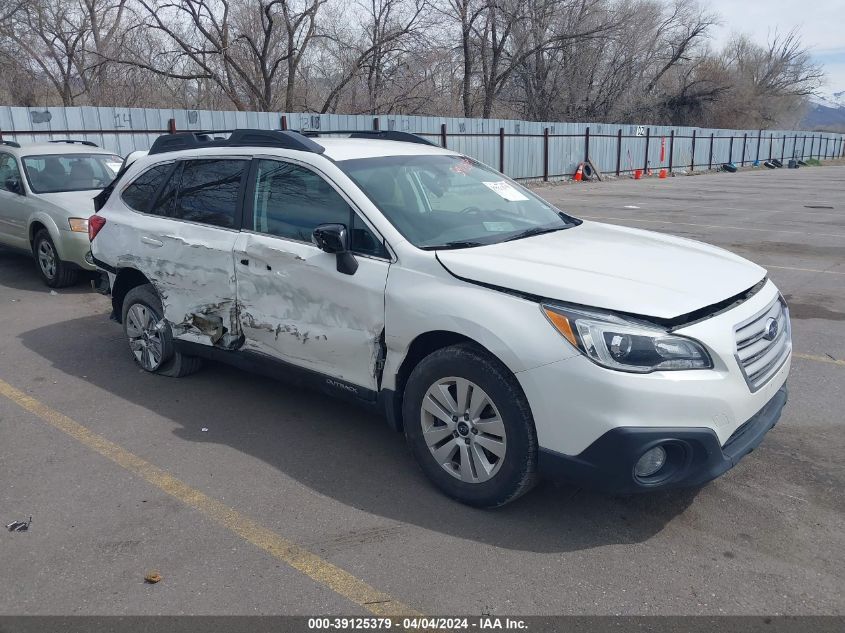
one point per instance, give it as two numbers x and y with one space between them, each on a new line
463 429
47 259
144 331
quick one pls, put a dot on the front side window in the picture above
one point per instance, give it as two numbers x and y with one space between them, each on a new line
209 191
53 173
140 193
291 201
9 174
448 201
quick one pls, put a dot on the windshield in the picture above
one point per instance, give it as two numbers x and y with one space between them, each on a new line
442 201
53 173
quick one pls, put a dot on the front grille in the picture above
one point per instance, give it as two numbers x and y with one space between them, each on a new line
758 354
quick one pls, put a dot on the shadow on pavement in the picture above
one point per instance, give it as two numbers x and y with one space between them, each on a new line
344 452
19 271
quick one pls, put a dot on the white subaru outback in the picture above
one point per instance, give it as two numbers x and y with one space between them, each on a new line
508 339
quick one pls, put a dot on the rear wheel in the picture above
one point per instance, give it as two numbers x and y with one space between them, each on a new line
54 272
470 427
149 335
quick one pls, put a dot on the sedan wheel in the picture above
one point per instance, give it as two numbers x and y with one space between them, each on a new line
46 255
463 429
144 331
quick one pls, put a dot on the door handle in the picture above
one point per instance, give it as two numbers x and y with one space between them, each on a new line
149 241
244 262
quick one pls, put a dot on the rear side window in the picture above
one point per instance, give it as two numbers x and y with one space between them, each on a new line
140 193
209 191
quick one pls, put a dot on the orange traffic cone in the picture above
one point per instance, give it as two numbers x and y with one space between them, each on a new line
579 174
662 173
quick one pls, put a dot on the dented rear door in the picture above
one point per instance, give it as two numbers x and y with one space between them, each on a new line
294 305
183 243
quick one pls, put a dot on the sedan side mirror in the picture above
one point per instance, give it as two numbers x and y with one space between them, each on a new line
14 185
334 238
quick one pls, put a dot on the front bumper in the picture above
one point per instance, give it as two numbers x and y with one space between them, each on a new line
73 249
695 455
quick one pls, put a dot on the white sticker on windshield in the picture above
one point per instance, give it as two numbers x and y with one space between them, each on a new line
115 167
498 227
506 190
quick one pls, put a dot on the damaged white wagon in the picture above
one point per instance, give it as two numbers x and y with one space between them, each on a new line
506 338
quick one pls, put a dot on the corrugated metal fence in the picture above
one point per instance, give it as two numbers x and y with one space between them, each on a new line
521 149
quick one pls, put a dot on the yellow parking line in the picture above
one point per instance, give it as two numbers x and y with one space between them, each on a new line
319 570
820 359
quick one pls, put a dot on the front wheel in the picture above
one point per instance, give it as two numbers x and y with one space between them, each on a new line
470 427
55 272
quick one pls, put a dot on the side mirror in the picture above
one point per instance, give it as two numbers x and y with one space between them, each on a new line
330 238
334 238
14 185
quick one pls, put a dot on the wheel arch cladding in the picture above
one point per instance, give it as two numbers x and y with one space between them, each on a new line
126 280
423 345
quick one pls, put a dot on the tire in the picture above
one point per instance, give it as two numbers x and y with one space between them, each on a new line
487 479
149 335
54 272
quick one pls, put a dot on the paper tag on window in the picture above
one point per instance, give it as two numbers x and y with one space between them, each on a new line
115 167
498 227
506 190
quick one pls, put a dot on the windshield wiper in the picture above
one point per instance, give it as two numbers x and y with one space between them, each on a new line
448 245
537 230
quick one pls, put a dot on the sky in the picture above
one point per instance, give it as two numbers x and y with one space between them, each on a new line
821 24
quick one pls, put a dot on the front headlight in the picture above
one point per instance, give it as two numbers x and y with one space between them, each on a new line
626 345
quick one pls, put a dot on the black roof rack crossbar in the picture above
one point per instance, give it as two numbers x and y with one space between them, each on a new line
239 138
10 143
73 141
385 135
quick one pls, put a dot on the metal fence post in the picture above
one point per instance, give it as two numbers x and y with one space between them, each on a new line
284 122
803 146
671 148
502 150
587 144
545 154
376 124
812 145
771 145
782 147
692 154
731 150
647 138
443 135
171 126
744 141
794 146
619 151
710 160
826 141
759 138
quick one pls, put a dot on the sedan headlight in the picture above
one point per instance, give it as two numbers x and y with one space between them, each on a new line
78 225
626 345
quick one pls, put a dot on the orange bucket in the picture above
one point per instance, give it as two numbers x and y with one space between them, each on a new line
638 173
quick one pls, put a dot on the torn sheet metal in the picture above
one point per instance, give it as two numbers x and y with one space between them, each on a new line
294 305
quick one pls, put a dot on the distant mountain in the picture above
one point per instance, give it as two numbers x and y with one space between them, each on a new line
826 112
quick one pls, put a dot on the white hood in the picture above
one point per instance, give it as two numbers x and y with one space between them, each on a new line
611 267
77 203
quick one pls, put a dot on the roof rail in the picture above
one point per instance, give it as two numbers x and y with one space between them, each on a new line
238 138
9 143
384 135
73 141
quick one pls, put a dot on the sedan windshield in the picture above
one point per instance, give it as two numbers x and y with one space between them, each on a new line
443 201
53 173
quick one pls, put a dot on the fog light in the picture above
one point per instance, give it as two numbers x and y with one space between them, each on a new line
651 461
